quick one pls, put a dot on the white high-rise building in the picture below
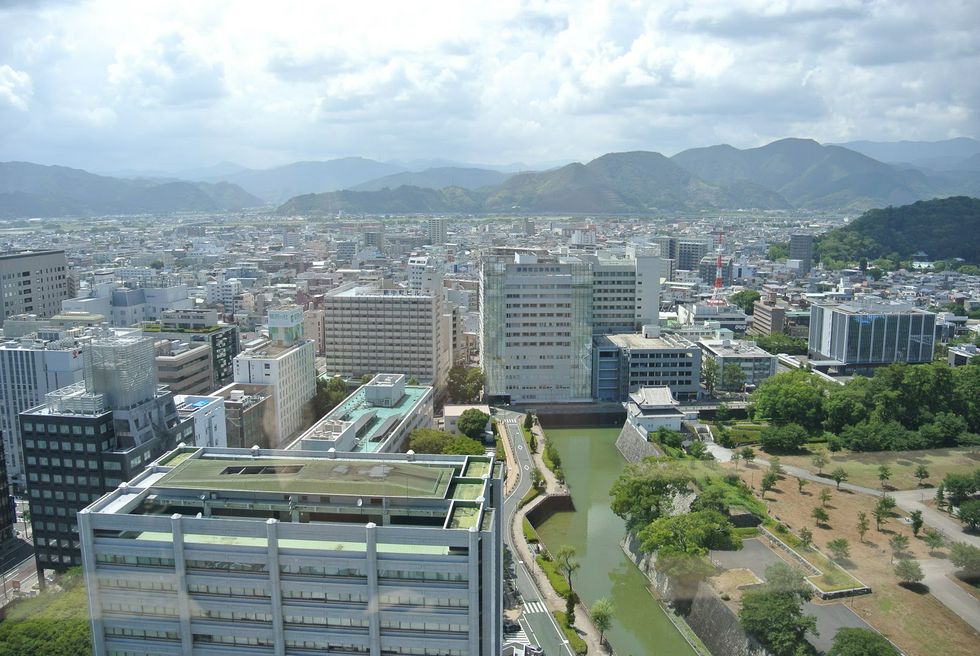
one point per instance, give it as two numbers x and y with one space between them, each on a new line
424 274
286 363
536 326
29 369
369 329
32 282
625 291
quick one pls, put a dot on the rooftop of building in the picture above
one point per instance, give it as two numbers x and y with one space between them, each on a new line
734 348
439 491
638 341
371 436
10 255
875 305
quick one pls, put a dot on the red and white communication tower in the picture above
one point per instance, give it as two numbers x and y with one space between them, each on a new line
716 298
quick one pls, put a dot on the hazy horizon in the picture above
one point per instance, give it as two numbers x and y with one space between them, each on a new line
112 87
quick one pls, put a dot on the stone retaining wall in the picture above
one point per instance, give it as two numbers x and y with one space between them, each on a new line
547 506
633 445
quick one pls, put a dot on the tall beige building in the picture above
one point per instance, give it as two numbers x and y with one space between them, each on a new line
369 330
33 282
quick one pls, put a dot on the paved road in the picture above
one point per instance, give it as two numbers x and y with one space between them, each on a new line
537 623
948 593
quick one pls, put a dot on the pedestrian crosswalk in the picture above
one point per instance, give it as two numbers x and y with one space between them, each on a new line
535 607
517 636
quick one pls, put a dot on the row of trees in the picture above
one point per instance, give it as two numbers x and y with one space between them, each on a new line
430 440
730 378
900 407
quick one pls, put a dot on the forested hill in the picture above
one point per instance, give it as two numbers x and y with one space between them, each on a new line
944 228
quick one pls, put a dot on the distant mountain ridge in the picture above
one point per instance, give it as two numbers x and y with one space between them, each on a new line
283 182
436 178
945 155
32 190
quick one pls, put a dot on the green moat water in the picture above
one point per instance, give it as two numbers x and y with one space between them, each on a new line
591 463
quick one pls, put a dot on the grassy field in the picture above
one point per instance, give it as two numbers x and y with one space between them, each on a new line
740 431
862 468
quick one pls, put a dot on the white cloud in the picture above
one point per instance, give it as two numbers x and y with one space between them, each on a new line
103 84
16 88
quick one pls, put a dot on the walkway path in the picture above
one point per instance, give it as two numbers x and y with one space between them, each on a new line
937 571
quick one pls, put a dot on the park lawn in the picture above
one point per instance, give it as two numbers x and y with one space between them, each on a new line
862 468
907 617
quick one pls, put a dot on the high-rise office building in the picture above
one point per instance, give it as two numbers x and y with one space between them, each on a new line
625 291
286 363
32 282
31 367
219 551
8 511
536 326
370 329
801 248
88 437
871 331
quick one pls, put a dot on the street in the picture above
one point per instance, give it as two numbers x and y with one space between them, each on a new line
537 623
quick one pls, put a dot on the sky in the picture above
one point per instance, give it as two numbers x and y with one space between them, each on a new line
169 86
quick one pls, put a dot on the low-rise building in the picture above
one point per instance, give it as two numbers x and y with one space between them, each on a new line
207 414
377 418
651 408
755 363
626 363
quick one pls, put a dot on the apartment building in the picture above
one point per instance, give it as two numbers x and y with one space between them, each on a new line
216 551
32 282
286 363
436 228
801 248
370 329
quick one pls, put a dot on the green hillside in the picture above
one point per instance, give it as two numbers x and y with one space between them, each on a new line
944 228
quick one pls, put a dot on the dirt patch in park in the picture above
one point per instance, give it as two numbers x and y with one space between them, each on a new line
914 620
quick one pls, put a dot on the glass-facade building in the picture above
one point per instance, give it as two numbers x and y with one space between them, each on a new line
871 332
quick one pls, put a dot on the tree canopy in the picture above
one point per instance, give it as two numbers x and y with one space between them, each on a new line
473 423
782 343
645 489
683 541
745 299
430 440
773 613
465 385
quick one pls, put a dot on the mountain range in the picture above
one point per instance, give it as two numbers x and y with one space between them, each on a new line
31 190
789 173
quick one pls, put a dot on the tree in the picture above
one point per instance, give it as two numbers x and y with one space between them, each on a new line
820 515
748 454
732 377
473 423
806 537
970 514
643 490
465 385
783 437
537 479
801 483
908 571
682 542
698 450
916 517
882 510
819 460
528 421
884 474
860 642
710 374
156 264
898 544
839 476
570 601
775 466
781 343
773 613
840 548
966 557
430 440
863 525
768 482
934 540
329 394
921 473
567 564
825 497
602 613
745 299
941 496
412 380
736 456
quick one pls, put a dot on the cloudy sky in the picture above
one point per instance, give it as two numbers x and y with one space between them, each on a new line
172 85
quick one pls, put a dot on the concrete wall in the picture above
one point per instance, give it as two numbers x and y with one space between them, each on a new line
548 506
633 445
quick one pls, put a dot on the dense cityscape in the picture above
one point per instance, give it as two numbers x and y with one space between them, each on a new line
525 328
